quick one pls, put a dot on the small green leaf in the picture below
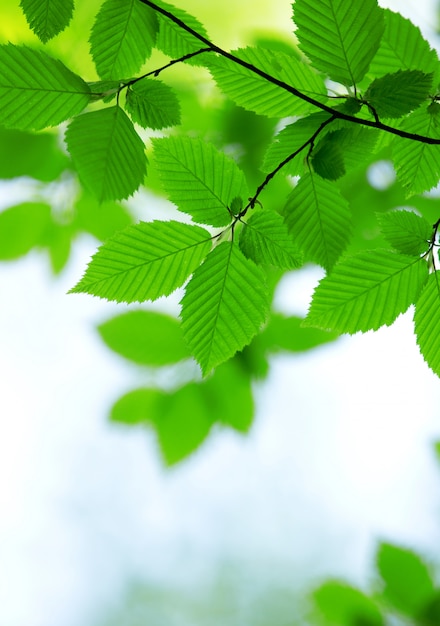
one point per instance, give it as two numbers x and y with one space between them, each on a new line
224 306
105 90
145 337
397 94
287 333
152 104
407 579
173 40
319 220
339 40
427 322
47 18
122 38
265 240
22 228
328 158
254 93
145 261
107 153
406 231
367 291
341 604
200 180
102 220
37 91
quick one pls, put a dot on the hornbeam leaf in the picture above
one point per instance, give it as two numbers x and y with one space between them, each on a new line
200 180
366 291
107 152
173 40
342 150
254 93
224 306
339 40
122 38
319 220
47 18
152 104
265 239
406 231
145 261
397 94
37 91
402 47
427 322
417 164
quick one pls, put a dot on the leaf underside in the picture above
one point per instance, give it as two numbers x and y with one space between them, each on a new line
406 231
47 18
152 104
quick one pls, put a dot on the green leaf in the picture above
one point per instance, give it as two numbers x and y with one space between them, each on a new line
406 231
328 158
402 48
47 18
397 94
152 104
22 228
173 40
288 334
417 164
107 153
254 93
224 306
145 337
102 220
200 180
265 240
407 579
37 91
427 322
341 604
122 38
145 261
105 90
339 39
319 220
290 140
366 291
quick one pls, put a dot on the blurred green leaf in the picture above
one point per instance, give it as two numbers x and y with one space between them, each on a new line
343 605
22 228
102 220
286 333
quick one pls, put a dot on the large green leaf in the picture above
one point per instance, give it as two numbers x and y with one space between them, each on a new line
122 38
397 94
145 261
402 47
342 604
37 91
417 164
406 231
407 579
367 291
152 104
224 306
265 240
338 38
107 153
22 228
254 93
427 322
145 337
319 220
172 39
200 180
47 18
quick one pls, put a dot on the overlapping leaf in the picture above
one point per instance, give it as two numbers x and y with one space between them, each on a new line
152 104
107 152
339 39
122 38
172 39
265 240
145 261
47 18
200 180
367 291
255 93
402 47
417 163
427 322
224 306
319 220
406 231
37 91
397 94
